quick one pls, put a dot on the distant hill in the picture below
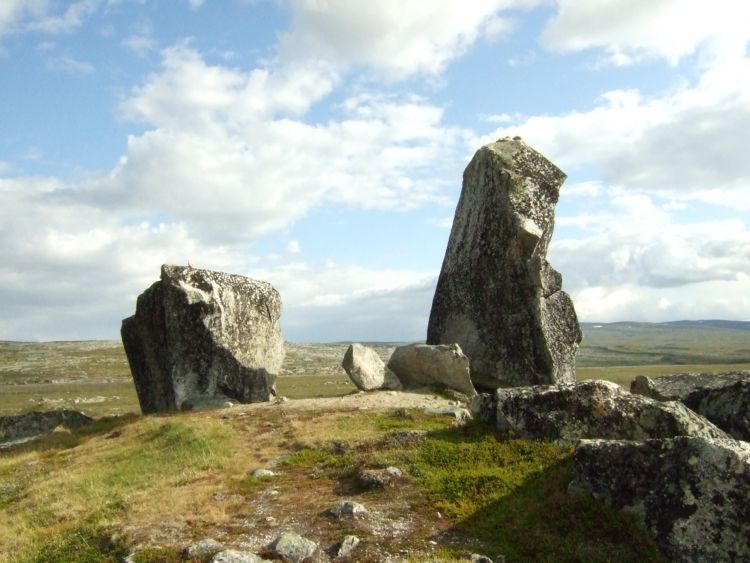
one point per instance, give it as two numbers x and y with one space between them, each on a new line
675 342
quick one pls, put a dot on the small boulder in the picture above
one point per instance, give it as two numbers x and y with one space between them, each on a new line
347 547
420 365
367 370
691 493
263 473
292 547
203 549
590 409
348 509
199 338
379 478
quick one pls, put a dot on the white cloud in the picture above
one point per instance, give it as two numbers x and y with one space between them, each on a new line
142 41
688 143
69 65
395 38
629 30
293 247
73 16
195 4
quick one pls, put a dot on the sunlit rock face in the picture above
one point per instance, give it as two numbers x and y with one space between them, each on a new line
497 296
200 337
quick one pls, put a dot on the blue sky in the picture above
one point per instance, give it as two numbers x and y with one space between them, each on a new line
319 145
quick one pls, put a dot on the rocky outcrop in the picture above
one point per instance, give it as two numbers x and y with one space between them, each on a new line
199 338
728 407
366 370
420 365
690 493
497 296
723 398
677 386
590 409
30 425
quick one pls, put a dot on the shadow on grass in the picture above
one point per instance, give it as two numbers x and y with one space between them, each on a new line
511 495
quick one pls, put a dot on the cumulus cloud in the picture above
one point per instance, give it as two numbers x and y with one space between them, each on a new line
395 38
688 143
630 30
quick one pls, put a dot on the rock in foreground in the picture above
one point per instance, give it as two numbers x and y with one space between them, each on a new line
200 337
690 493
366 370
497 296
728 407
590 409
419 365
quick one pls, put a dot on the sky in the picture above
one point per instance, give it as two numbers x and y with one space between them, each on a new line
319 145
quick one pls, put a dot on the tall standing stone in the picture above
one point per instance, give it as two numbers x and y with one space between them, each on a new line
199 337
497 296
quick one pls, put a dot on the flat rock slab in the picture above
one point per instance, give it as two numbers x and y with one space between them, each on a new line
422 365
199 338
30 425
367 370
590 409
677 386
690 493
497 296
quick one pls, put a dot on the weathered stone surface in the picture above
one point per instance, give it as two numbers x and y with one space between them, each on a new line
379 478
677 386
348 508
347 546
366 370
292 547
235 556
723 398
497 296
200 337
204 548
691 493
32 424
263 473
590 409
728 407
419 365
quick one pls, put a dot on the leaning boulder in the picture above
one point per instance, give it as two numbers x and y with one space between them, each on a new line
497 296
22 427
590 409
367 370
677 386
690 493
420 365
199 338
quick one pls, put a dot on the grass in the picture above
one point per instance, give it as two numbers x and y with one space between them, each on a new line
160 483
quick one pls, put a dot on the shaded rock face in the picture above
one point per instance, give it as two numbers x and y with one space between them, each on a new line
199 337
723 398
366 370
32 424
728 407
497 296
690 493
677 386
419 365
590 409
